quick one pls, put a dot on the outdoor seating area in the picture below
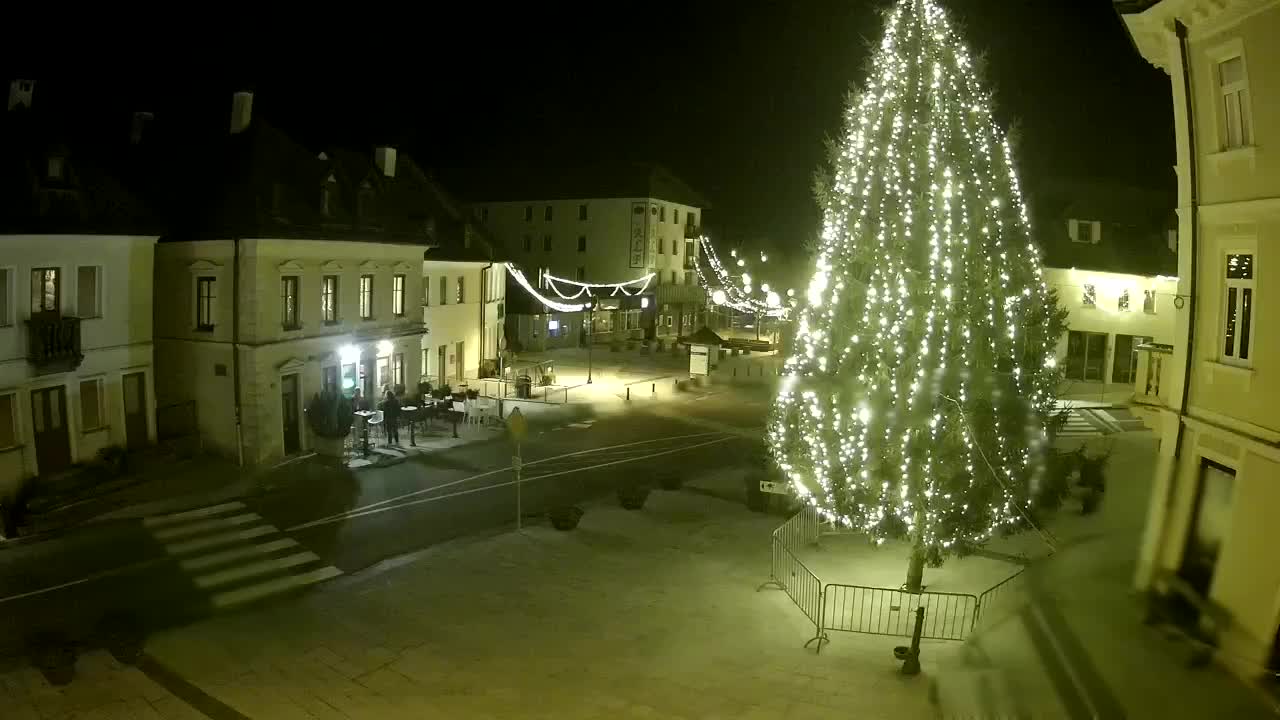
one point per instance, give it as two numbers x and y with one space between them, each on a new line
429 416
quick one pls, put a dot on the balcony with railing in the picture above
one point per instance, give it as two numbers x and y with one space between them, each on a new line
692 232
53 342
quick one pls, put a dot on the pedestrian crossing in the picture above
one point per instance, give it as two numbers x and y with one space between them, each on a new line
1085 422
234 556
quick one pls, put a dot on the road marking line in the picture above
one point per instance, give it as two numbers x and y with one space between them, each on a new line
274 586
351 515
155 520
1072 677
212 541
451 483
225 556
204 525
262 567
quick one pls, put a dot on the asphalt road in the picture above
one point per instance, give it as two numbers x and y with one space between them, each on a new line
325 522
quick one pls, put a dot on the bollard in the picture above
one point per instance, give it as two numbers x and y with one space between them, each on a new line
653 388
911 657
628 393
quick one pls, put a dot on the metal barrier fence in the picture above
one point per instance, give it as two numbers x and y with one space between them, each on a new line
881 611
873 610
997 601
789 574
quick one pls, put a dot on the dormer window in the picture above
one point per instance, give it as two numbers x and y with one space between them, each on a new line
54 168
327 194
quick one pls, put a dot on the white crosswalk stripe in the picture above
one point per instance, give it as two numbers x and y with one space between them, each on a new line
235 555
1082 422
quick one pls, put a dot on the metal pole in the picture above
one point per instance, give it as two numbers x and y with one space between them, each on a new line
591 328
519 499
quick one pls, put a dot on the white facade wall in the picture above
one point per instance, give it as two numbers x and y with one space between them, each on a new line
198 364
476 322
1229 205
1105 315
116 342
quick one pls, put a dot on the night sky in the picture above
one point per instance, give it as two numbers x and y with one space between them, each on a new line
734 97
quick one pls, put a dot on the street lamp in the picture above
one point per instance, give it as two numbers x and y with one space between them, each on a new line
591 329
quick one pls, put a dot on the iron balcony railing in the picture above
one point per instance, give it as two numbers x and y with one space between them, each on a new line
53 342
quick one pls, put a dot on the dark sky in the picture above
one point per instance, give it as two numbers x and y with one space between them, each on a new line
734 97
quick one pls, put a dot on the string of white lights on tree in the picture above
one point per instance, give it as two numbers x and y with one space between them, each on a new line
923 375
734 290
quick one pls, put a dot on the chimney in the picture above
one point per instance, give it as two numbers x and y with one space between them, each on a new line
140 122
20 93
385 157
241 111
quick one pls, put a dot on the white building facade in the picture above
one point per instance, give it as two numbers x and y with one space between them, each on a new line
463 306
1211 521
250 333
75 350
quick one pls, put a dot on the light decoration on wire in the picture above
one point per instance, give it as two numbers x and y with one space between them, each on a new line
730 290
923 373
523 281
627 288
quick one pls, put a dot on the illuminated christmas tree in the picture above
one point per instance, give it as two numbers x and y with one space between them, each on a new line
923 377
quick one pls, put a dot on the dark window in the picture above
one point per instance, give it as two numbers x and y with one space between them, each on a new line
546 243
582 274
675 247
675 215
289 301
546 213
582 212
528 243
205 295
582 243
444 290
528 213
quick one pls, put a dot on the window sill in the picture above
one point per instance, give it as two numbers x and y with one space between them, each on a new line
1220 368
92 430
291 328
367 319
90 317
11 448
1243 152
203 329
331 323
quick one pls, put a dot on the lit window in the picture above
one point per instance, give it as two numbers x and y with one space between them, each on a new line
1237 324
1233 86
460 294
366 297
329 299
1085 231
46 286
397 295
1090 296
55 167
397 370
289 302
1123 303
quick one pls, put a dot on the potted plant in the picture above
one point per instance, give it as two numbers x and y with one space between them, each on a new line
1092 482
112 460
632 495
472 394
565 517
424 389
330 416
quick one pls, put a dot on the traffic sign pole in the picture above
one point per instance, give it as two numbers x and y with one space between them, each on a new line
517 427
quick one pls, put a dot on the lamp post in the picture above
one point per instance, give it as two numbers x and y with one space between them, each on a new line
591 329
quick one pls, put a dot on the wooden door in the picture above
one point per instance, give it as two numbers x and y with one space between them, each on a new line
289 413
134 387
49 426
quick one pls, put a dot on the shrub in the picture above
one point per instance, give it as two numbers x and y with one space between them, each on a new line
330 414
633 495
565 517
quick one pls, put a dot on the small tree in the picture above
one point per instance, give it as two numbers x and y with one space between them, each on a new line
330 414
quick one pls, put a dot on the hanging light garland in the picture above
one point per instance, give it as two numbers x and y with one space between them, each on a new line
735 293
523 281
628 288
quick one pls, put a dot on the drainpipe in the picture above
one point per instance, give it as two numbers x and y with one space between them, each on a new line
1194 209
484 300
235 346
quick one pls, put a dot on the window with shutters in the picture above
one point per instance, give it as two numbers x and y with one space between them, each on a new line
89 291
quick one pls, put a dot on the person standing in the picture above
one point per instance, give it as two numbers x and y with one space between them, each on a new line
391 417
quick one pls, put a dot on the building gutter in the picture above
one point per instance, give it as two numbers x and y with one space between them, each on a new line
484 300
1194 199
235 346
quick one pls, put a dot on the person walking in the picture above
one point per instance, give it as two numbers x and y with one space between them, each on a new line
391 417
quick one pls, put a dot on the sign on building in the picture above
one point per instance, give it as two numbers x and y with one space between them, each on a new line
639 235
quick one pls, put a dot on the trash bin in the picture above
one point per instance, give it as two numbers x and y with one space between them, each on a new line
524 387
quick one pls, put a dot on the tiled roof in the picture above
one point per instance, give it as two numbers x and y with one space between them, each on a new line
618 180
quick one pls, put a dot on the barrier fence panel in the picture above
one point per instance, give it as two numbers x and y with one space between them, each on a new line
789 574
881 611
1000 600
